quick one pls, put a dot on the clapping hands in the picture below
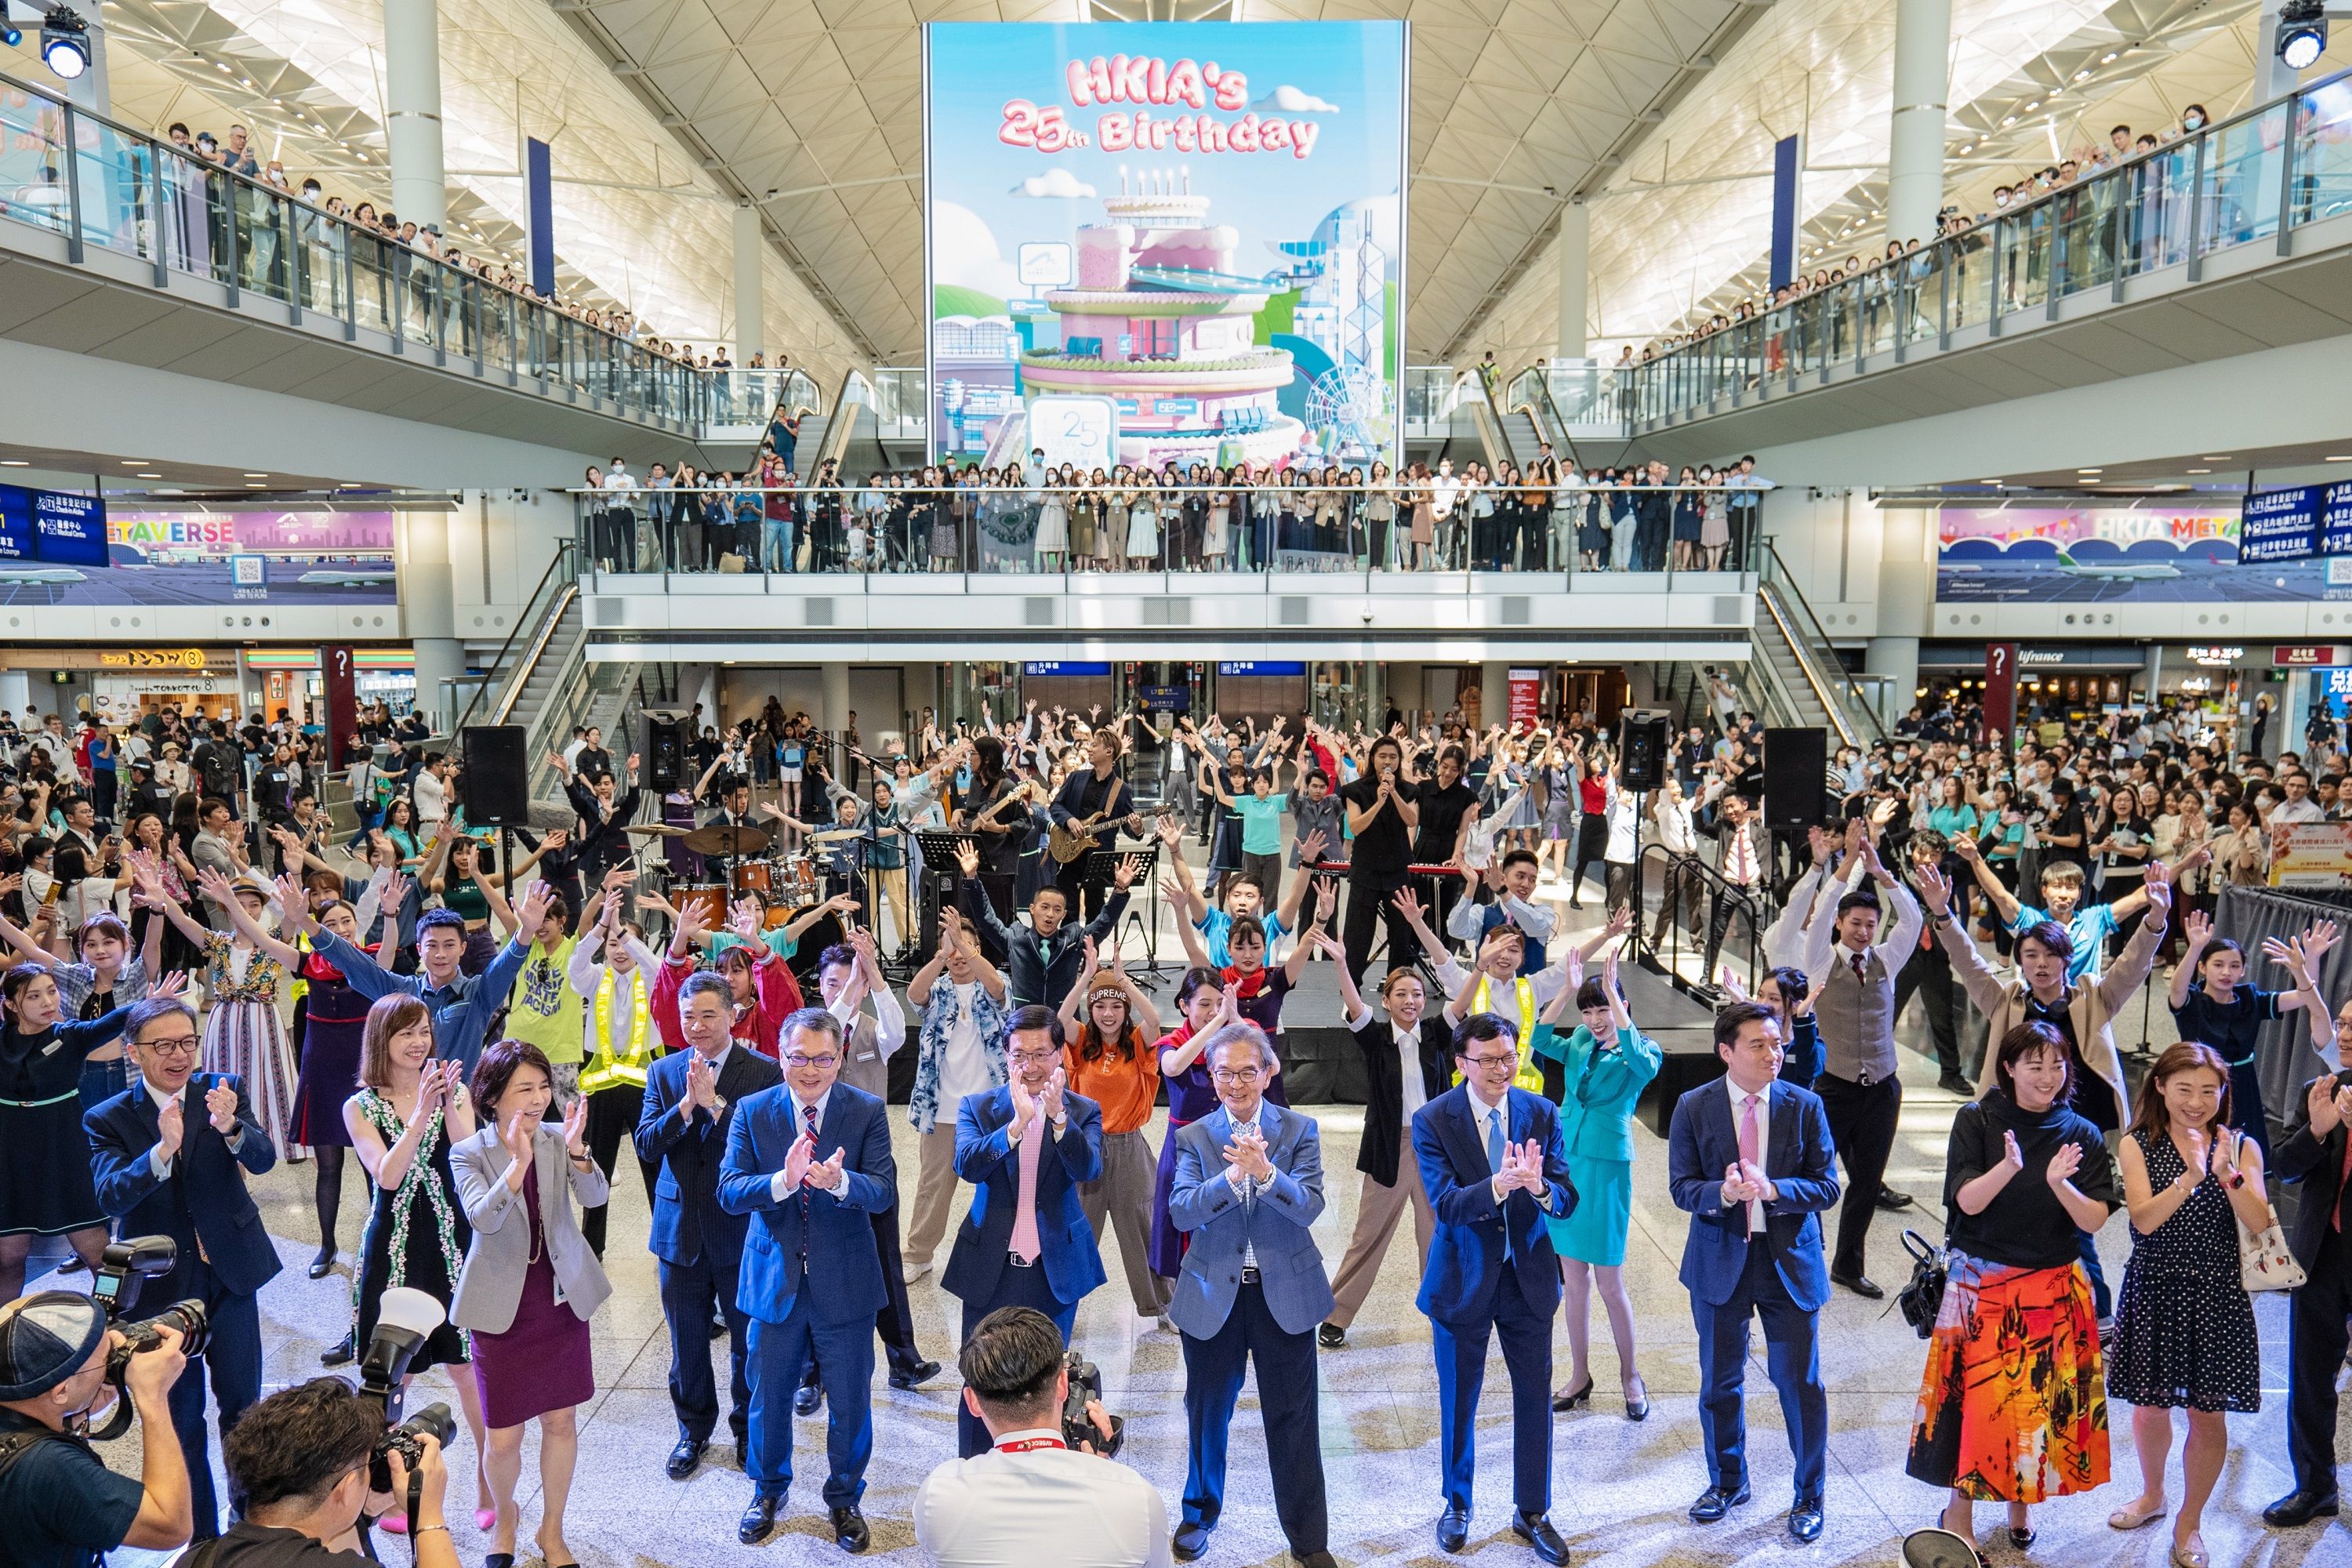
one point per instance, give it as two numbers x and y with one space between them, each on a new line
1744 1182
1245 1156
1522 1169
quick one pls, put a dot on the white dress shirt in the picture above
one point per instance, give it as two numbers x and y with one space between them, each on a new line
1763 1138
1046 1507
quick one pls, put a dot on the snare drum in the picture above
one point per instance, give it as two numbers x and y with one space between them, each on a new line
797 881
706 901
752 877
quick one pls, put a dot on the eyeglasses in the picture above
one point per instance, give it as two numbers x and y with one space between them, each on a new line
799 1060
1495 1061
1032 1058
178 1045
1234 1075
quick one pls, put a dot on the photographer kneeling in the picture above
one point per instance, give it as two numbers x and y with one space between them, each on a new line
64 1507
1032 1502
298 1465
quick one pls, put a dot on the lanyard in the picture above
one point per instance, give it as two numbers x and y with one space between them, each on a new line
1025 1444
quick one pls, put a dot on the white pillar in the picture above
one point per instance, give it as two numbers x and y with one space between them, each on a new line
428 612
412 90
1574 251
1914 147
751 315
1906 596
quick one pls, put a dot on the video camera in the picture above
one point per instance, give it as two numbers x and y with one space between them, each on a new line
1078 1427
132 1262
406 1317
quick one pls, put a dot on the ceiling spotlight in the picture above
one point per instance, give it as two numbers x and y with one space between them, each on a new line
149 476
2302 32
2090 470
2341 458
65 43
2200 470
2110 58
15 463
10 33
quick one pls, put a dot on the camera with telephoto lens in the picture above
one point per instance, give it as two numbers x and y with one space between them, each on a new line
122 1268
1077 1426
405 1319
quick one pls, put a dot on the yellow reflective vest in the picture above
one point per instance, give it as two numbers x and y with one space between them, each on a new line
604 1069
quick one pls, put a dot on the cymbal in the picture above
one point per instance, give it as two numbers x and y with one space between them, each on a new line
835 836
726 839
655 830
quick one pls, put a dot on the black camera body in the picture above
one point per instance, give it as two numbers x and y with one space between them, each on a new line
121 1269
402 1439
1078 1427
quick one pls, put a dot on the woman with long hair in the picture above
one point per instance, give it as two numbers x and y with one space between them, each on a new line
2184 1336
530 1285
1107 1020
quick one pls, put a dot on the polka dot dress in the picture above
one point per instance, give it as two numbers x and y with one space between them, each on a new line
2184 1335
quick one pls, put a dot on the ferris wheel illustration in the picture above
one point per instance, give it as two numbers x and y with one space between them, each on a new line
1352 404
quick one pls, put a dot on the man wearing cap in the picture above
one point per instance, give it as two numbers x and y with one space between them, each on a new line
64 1507
169 1155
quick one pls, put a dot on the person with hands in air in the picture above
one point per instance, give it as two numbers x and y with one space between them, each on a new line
1026 1147
1241 897
1495 1170
1041 957
760 987
1382 808
612 969
964 1002
2012 1407
1110 1024
530 1282
808 1164
2213 1005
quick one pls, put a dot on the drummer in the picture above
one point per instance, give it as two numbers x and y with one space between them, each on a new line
838 848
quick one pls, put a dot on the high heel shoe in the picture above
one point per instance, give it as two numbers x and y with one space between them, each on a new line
324 1264
1638 1408
1568 1399
338 1353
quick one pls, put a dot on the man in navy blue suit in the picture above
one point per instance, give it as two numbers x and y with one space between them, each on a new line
1494 1166
171 1154
1249 1182
1025 1147
690 1099
809 1161
1748 1157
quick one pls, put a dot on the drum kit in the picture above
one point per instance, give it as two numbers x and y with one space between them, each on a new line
749 863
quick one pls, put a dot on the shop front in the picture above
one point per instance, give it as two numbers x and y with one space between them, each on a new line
294 679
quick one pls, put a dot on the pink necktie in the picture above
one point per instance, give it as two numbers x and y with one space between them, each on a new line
1751 1144
1024 1206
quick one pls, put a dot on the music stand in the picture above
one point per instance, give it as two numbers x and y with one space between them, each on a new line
940 873
1096 871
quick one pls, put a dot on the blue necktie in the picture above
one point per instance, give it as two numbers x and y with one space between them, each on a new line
1495 1162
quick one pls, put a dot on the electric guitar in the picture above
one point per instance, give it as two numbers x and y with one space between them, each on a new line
1067 844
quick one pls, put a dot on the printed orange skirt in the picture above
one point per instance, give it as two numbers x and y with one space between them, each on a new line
2012 1407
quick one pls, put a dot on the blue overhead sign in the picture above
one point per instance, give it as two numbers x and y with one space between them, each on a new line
2280 525
1260 667
63 529
2335 519
1063 666
15 523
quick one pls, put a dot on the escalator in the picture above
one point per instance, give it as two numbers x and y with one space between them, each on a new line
1793 678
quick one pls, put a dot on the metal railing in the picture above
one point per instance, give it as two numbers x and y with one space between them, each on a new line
1849 706
556 588
1119 527
2253 178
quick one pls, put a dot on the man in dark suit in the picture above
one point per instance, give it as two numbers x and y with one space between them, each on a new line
1025 1148
1249 1182
809 1161
2314 1156
171 1154
1493 1164
1755 1186
690 1097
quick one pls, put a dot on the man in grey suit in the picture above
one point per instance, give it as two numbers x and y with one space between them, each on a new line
1249 1182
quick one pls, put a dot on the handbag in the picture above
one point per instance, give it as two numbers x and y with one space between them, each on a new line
2264 1263
1922 1299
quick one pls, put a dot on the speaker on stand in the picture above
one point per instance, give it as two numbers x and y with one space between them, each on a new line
1642 749
1796 770
668 764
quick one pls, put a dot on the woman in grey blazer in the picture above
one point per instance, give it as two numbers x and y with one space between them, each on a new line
530 1282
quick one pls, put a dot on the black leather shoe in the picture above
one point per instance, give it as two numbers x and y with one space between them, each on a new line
1331 1336
849 1532
759 1520
1805 1519
2022 1536
685 1458
743 1455
1536 1531
1862 1285
1191 1538
1568 1399
324 1264
1890 1200
1953 1083
718 1328
1715 1502
1453 1528
914 1376
340 1353
2299 1507
498 1560
1314 1560
805 1400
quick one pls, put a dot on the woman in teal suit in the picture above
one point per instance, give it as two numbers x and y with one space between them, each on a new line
1605 1063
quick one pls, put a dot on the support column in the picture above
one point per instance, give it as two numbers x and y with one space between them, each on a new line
428 612
751 313
1915 143
1906 597
1574 252
412 91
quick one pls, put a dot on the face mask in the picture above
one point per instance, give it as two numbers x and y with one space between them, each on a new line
2192 121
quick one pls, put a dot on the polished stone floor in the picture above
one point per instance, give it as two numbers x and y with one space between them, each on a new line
1619 1489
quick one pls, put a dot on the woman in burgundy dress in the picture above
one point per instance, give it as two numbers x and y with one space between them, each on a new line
531 1283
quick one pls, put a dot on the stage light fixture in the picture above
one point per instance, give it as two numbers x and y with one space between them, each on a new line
65 43
2302 32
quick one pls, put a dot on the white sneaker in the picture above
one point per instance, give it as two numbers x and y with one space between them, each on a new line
916 1268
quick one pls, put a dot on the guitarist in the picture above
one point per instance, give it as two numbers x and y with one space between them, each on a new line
1094 799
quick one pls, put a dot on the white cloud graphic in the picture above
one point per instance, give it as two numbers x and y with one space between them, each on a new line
1054 182
1292 99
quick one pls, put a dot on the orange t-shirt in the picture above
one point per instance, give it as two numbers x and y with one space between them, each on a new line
1125 1090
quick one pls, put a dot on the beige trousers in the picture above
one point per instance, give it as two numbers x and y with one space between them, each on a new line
1377 1212
1123 1194
935 1185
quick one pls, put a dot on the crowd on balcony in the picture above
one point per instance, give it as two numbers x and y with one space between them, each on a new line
1899 262
1035 517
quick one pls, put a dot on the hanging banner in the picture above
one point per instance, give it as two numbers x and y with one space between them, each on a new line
1199 223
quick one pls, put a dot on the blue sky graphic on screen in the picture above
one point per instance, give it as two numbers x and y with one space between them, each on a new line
1156 242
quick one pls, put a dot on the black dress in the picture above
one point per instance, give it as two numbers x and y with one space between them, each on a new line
416 1236
45 1186
2184 1336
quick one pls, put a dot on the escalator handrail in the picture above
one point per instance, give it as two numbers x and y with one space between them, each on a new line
1550 423
558 569
1786 593
530 664
843 423
1486 414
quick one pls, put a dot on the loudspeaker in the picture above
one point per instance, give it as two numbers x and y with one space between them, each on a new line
1796 770
496 788
666 756
1641 748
